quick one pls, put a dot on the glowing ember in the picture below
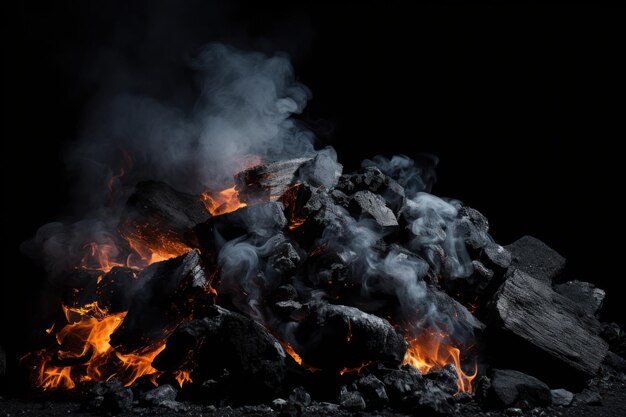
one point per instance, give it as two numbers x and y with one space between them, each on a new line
86 339
291 352
221 202
358 369
429 351
182 377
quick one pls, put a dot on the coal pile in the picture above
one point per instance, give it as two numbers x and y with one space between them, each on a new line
327 294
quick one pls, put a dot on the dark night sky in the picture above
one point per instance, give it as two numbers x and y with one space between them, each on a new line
523 105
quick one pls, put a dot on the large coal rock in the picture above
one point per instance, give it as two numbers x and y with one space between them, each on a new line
160 300
334 337
162 218
559 335
248 363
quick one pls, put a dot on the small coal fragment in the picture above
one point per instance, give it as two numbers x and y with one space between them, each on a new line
373 391
323 170
529 311
496 257
300 396
537 259
267 182
370 205
585 294
372 179
161 301
430 401
445 379
615 337
475 217
474 238
158 395
278 404
561 397
251 365
588 396
401 382
334 337
352 400
510 388
285 260
111 396
157 210
285 293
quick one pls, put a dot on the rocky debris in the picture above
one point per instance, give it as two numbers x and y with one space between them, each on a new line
529 310
537 259
110 396
337 336
511 388
584 294
561 397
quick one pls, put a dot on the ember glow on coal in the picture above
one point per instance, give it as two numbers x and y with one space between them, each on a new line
229 214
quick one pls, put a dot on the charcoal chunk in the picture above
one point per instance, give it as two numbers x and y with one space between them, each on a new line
158 395
537 259
370 205
530 311
285 293
160 300
401 382
373 391
111 396
322 170
615 337
352 401
585 294
337 336
475 217
430 401
561 397
510 388
588 396
496 257
372 179
268 182
300 396
251 365
161 217
285 260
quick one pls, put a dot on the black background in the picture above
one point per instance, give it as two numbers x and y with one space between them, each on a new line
523 104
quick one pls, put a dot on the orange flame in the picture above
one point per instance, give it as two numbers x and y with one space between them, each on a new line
87 336
291 352
358 369
221 202
182 377
429 351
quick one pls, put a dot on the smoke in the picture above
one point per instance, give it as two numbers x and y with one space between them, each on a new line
244 108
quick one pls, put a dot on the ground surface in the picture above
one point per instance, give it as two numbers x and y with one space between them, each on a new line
613 405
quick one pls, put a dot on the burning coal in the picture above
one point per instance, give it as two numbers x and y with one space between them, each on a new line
225 248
